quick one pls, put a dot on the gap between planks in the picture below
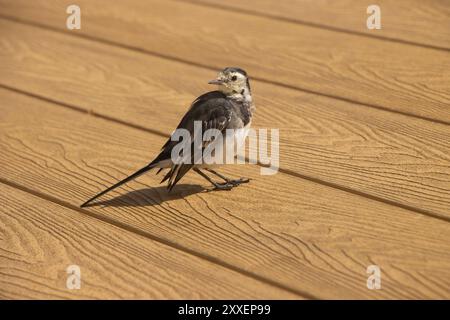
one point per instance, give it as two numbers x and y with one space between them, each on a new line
285 171
224 7
215 68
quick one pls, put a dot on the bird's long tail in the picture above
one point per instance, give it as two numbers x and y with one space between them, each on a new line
118 184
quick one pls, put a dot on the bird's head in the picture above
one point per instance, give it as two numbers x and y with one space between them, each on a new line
232 81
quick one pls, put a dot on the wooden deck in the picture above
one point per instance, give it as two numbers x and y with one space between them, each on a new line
364 119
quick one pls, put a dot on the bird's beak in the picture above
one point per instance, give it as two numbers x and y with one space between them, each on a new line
216 81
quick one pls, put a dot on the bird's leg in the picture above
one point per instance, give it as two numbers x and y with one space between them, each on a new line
234 182
217 186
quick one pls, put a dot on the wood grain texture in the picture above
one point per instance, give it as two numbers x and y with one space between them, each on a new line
421 22
384 74
40 239
302 235
381 154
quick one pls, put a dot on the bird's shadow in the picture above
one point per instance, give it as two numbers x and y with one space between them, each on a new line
150 196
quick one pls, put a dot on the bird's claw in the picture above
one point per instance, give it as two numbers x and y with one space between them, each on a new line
224 186
230 184
239 181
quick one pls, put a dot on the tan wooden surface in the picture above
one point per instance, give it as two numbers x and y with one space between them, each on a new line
321 138
306 236
43 239
387 75
401 20
359 184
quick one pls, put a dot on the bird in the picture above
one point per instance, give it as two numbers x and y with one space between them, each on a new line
229 107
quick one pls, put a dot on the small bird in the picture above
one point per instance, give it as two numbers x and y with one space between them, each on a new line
229 107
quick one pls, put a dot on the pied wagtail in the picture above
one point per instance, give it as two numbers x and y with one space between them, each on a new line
230 107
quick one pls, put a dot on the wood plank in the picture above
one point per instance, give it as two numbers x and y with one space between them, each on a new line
388 75
421 22
40 239
384 155
302 235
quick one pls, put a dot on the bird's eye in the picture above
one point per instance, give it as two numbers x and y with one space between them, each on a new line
233 78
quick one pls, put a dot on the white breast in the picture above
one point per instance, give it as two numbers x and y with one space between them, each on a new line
239 136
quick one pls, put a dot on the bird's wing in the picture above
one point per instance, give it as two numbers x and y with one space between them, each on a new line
205 108
214 111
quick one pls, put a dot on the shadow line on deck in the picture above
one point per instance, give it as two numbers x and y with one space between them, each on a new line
151 196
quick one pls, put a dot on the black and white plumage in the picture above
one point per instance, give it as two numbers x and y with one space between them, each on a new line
230 107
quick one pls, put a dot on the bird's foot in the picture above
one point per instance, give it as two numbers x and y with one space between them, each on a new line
229 184
224 186
237 182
